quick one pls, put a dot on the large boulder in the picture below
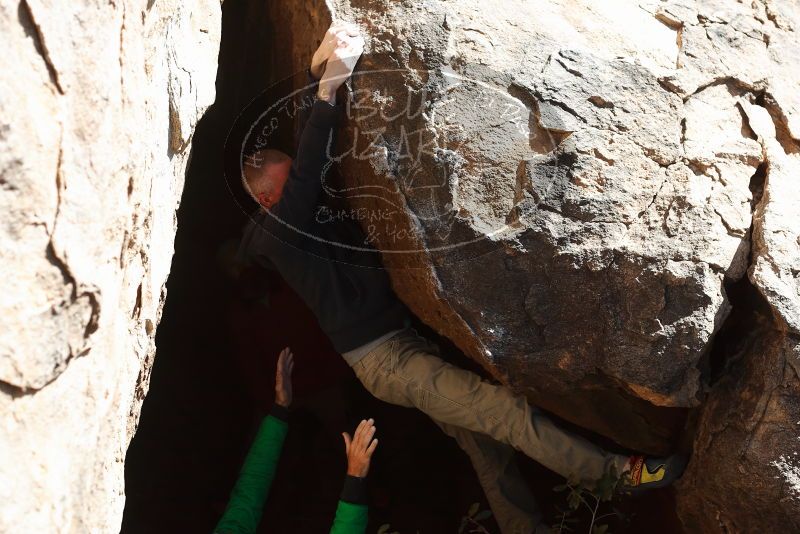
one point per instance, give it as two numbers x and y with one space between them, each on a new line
569 186
566 190
98 105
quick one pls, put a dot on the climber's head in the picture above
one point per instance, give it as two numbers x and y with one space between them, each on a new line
265 174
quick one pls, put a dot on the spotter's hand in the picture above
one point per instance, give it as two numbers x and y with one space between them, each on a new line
359 449
283 378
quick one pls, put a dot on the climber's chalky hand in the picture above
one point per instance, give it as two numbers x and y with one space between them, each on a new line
336 58
333 37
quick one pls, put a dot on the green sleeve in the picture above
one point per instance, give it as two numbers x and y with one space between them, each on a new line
350 518
245 507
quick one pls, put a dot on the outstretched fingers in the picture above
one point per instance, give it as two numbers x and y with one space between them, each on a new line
285 362
283 377
364 434
359 430
360 448
289 361
337 35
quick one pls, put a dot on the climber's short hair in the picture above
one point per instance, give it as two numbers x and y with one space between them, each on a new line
255 165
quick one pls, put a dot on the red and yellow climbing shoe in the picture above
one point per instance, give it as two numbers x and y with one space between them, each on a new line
651 473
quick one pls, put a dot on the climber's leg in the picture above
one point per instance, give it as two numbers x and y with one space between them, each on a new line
512 503
405 370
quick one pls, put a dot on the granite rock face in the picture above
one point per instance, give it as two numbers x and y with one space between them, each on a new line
569 191
99 103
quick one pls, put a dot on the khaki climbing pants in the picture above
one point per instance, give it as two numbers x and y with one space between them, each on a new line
486 420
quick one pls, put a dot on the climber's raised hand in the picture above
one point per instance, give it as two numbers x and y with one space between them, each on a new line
283 378
330 42
346 47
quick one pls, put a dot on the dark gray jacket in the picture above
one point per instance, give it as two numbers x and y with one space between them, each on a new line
348 290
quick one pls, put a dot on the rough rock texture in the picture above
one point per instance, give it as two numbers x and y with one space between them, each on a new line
98 105
746 449
580 239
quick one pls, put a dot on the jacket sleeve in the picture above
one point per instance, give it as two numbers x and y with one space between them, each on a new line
299 198
352 512
244 509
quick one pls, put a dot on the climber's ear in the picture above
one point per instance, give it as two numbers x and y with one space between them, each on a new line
264 200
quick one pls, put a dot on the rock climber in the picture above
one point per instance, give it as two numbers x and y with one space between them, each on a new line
367 323
244 509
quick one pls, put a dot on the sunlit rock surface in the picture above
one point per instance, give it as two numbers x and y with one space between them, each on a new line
745 476
98 105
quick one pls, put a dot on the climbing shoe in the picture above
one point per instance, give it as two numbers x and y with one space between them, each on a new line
651 473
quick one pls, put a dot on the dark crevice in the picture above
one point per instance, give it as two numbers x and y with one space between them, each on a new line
571 71
746 130
747 307
734 85
773 17
757 183
596 153
749 314
667 84
600 102
747 304
15 391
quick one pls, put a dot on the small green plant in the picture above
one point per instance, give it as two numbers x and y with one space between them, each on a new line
578 494
471 522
